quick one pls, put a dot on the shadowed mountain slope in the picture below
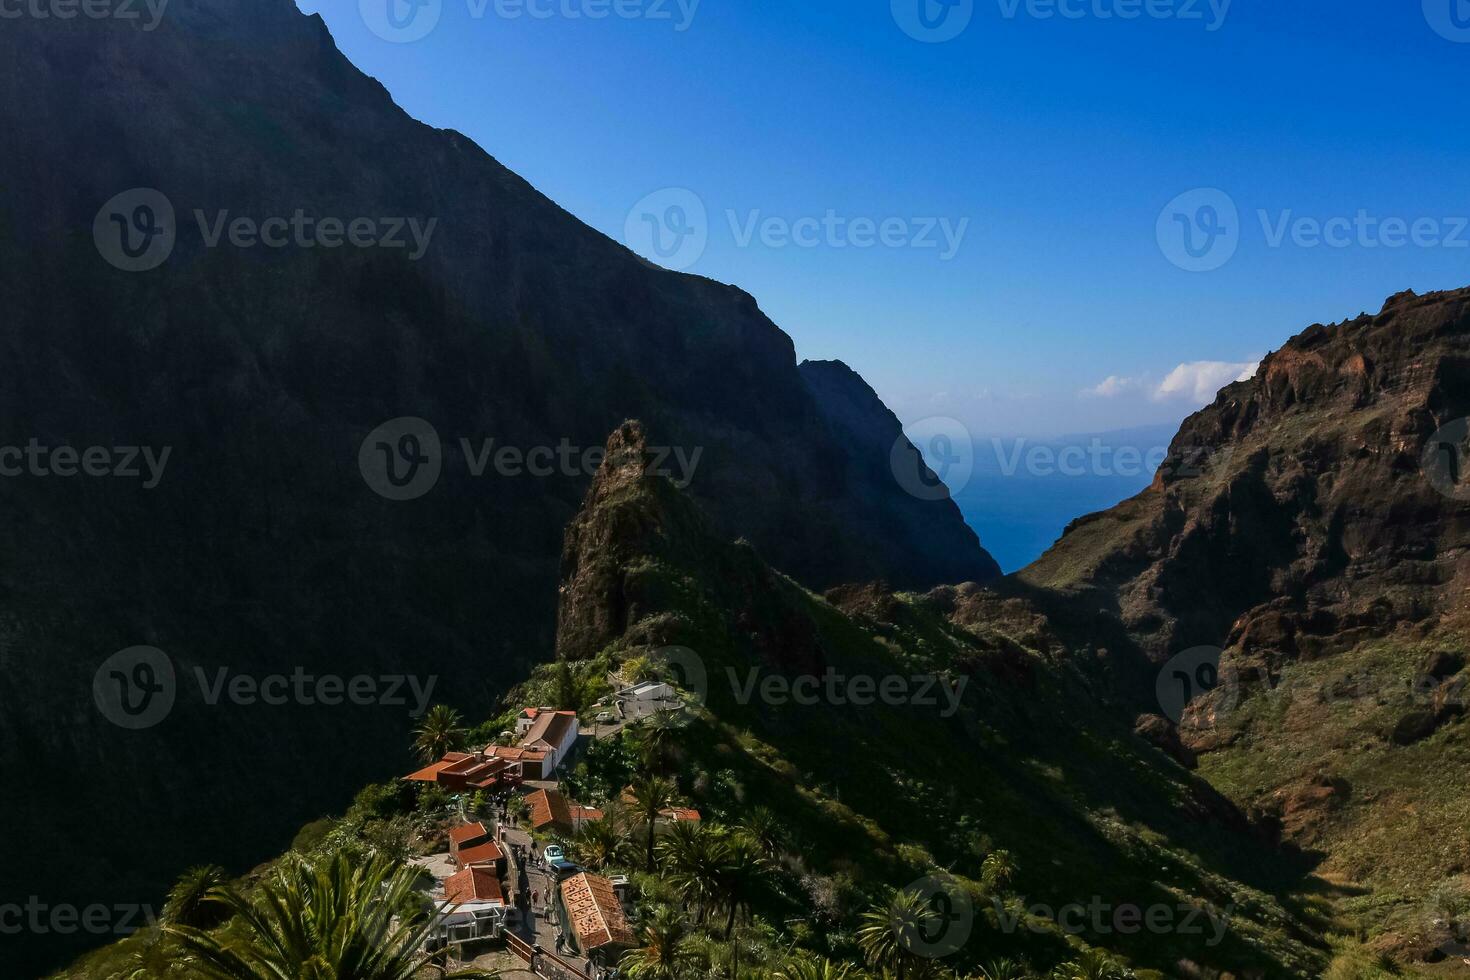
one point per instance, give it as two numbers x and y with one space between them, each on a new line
262 370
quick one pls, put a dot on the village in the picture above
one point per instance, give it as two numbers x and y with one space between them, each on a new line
503 887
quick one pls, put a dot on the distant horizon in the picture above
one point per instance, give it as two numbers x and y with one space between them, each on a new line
1018 493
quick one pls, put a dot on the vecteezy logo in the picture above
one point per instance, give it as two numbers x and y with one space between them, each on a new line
1199 231
1449 18
135 231
944 460
401 459
670 227
135 688
939 923
401 21
1193 674
1446 458
933 21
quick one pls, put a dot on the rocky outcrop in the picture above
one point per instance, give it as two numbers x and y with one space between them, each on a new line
1306 509
630 554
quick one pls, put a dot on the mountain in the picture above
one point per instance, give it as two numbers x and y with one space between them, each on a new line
1310 527
258 371
1299 499
991 769
920 781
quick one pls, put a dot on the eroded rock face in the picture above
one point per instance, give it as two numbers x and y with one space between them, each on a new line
627 551
1296 515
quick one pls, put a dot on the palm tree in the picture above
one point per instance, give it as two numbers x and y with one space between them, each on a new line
887 933
814 970
1003 969
157 957
328 919
600 843
738 877
664 952
193 901
1095 964
764 828
441 731
691 854
652 795
997 871
654 734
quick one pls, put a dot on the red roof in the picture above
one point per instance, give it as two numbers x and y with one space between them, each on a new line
467 833
473 885
596 914
486 853
430 773
548 807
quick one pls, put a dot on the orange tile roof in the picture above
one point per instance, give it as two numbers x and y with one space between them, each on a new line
469 832
486 853
516 754
596 914
549 807
473 885
430 773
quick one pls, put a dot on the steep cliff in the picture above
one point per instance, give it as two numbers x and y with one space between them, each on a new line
1308 507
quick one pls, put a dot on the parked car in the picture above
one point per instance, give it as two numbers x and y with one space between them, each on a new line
556 859
605 717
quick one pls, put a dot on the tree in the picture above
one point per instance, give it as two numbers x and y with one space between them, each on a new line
691 854
814 970
739 875
1095 964
655 735
652 795
320 920
1003 969
664 952
887 932
568 692
441 731
600 843
194 898
764 829
997 871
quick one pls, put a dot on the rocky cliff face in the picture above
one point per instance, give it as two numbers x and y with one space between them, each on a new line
1321 502
1311 526
275 538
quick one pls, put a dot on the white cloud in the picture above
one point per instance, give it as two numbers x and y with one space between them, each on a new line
1198 381
1195 381
1111 386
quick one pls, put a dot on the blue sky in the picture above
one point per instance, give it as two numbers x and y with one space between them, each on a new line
1059 145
